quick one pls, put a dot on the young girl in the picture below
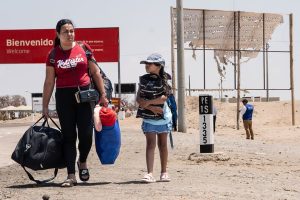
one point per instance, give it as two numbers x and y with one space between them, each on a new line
157 117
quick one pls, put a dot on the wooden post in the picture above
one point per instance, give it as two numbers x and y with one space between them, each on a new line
292 69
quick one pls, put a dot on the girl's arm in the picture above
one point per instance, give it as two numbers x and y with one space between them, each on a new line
156 110
146 104
97 121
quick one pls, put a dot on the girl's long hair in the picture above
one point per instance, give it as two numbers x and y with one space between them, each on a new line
163 75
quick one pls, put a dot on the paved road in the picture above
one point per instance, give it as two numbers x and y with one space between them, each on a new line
9 137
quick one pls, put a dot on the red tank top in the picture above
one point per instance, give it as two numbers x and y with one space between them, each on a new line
71 67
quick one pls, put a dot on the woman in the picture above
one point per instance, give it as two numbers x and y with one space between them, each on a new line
69 71
157 116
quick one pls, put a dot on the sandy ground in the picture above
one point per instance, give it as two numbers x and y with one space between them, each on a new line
265 168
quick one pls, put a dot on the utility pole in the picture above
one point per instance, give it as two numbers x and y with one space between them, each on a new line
180 68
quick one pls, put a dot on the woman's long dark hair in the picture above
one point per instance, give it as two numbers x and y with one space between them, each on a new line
59 24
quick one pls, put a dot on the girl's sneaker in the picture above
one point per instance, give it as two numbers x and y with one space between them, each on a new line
148 178
164 177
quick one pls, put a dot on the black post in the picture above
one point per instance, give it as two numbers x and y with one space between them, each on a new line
206 124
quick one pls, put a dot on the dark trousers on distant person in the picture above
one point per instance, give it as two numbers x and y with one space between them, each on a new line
72 116
215 119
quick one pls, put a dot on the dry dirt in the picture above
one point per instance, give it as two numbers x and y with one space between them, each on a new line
265 168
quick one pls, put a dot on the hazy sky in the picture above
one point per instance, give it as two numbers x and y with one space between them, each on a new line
144 29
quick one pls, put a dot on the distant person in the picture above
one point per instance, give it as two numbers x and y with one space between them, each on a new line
215 111
246 113
68 70
157 117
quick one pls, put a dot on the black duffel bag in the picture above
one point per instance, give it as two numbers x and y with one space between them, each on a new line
40 148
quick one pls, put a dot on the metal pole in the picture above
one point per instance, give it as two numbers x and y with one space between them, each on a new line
264 52
267 71
119 68
33 111
203 24
221 80
31 103
173 55
220 92
180 68
234 46
241 50
292 68
189 85
239 75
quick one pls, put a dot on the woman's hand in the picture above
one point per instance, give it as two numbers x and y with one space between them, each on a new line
103 100
46 112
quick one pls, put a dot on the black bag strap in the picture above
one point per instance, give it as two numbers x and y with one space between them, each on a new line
38 120
171 140
39 181
55 124
90 57
46 121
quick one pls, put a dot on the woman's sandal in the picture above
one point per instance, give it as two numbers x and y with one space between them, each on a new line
84 174
148 178
69 182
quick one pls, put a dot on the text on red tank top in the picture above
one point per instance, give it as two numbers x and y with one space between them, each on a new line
71 67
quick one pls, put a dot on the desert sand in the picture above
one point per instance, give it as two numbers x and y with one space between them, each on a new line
265 168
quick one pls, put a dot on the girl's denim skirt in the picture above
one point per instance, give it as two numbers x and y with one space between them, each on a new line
150 128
